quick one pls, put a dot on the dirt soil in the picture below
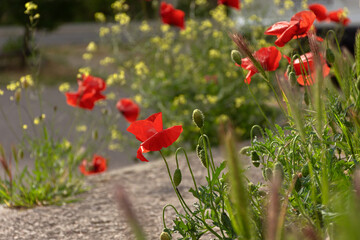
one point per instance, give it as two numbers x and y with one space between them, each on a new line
97 216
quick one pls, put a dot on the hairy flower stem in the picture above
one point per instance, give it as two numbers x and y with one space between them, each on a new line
182 201
208 165
177 213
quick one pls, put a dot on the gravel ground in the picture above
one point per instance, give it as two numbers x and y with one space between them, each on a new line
96 214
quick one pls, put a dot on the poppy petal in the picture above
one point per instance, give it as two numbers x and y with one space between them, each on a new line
277 28
128 109
287 35
319 10
162 139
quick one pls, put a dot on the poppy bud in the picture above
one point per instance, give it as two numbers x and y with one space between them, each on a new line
279 170
255 159
226 221
177 177
198 118
165 236
305 170
306 98
201 155
95 134
289 69
244 150
292 78
236 56
330 57
17 95
297 183
268 174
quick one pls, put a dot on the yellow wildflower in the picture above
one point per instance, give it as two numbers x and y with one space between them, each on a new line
103 31
87 56
100 17
81 128
91 47
200 2
64 87
1 92
107 60
145 27
165 28
138 98
30 6
36 121
213 53
122 18
141 69
24 126
12 86
288 4
239 101
212 99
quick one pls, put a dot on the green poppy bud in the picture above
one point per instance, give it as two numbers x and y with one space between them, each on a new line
201 155
289 69
226 221
165 236
268 174
255 159
236 56
330 57
297 183
198 118
293 79
305 170
279 170
177 177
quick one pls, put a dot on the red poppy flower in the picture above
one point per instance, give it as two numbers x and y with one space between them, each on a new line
320 11
339 16
89 91
98 165
305 68
128 109
152 136
172 16
268 57
231 3
298 26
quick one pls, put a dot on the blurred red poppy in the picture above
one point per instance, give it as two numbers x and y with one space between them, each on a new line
298 26
172 16
128 109
231 3
152 136
320 11
304 68
98 165
89 91
268 57
339 16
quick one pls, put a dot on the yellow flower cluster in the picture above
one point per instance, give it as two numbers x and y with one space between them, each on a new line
141 69
122 18
100 17
29 7
13 86
145 27
200 2
120 5
91 47
106 61
1 92
179 100
103 31
87 56
81 128
116 78
213 53
64 87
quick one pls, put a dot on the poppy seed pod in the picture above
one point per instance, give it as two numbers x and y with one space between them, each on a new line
198 118
236 56
165 236
330 57
177 177
226 220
